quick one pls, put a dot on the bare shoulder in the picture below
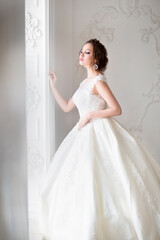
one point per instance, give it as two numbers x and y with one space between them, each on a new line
106 93
101 85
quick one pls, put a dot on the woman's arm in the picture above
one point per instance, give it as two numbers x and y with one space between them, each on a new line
114 109
66 106
105 92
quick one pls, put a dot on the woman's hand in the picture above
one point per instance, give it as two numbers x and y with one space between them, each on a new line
52 78
83 121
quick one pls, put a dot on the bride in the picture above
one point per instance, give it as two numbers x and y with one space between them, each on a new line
102 183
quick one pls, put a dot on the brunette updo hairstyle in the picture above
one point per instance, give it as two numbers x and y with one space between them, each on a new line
100 55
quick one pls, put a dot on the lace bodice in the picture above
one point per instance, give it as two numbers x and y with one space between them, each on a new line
84 98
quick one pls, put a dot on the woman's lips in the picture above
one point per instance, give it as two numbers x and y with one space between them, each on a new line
80 59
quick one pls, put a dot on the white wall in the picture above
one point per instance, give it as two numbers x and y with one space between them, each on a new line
61 52
130 31
13 152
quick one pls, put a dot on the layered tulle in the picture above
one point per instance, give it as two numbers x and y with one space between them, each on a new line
102 184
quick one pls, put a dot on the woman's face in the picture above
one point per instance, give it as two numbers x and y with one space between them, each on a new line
86 56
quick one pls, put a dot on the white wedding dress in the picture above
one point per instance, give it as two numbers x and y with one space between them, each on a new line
102 184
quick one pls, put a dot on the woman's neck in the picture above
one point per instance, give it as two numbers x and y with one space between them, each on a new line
91 73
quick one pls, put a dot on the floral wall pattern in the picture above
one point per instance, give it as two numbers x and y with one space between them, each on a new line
113 22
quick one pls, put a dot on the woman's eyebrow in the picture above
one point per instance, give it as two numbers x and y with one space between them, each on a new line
87 49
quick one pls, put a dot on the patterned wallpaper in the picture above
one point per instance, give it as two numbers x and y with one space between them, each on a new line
131 32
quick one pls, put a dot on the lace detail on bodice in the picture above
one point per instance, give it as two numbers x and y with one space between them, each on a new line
84 98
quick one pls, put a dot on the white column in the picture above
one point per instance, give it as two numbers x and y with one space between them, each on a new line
39 127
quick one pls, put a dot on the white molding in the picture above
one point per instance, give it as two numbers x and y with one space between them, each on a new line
40 112
35 126
32 3
32 97
33 32
32 61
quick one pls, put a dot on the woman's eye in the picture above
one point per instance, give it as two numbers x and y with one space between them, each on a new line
85 52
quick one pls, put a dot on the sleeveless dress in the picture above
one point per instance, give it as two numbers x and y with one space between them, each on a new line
102 184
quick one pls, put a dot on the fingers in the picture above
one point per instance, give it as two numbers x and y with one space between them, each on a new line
80 125
82 122
52 75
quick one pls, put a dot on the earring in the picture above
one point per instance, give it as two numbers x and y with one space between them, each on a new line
95 66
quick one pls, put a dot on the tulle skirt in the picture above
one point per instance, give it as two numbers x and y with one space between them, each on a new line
102 184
